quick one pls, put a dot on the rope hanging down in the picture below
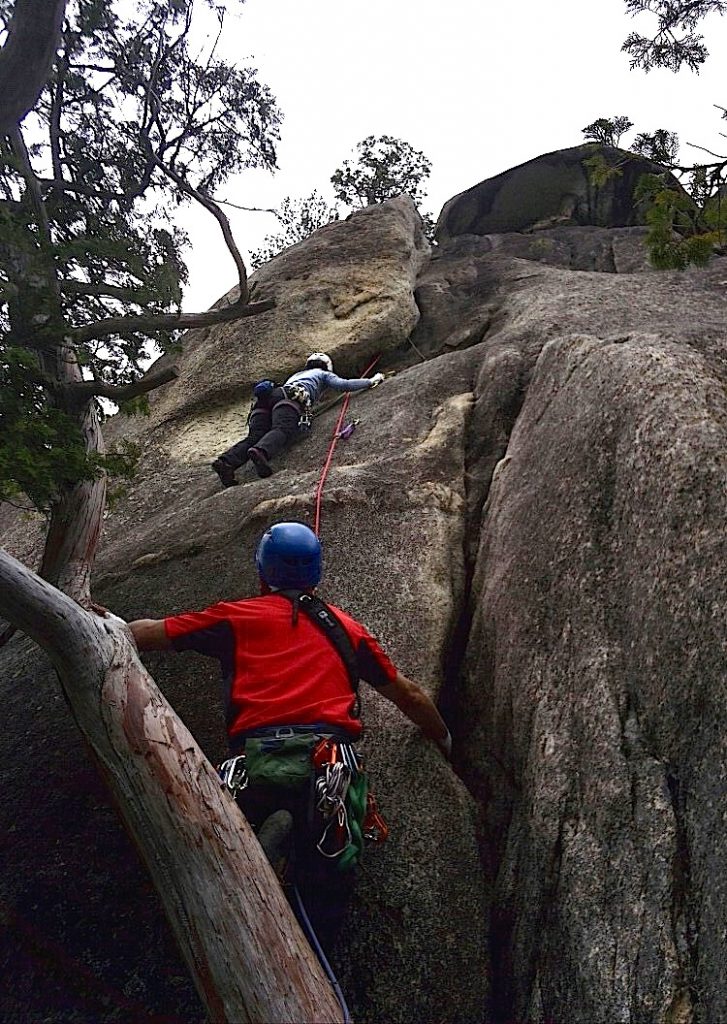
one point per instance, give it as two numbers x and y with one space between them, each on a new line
332 448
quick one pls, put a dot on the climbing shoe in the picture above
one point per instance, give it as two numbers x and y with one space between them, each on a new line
225 472
275 835
260 461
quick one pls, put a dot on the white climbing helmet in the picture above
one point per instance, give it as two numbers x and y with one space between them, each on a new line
321 357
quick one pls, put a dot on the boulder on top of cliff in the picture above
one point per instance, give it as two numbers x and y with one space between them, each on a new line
554 190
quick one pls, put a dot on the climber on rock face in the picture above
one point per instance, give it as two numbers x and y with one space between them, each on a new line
279 412
291 665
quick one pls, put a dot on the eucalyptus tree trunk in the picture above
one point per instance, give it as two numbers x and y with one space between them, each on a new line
244 949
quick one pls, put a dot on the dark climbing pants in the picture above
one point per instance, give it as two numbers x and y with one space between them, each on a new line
272 427
325 891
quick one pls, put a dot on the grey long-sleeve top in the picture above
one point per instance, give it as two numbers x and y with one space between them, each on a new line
316 381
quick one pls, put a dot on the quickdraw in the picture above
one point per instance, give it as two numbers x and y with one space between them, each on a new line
342 798
233 774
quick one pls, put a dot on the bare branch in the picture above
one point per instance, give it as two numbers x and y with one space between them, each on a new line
35 199
168 321
27 57
220 217
111 291
247 209
55 122
719 156
82 391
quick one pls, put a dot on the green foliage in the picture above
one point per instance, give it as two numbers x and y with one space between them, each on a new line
86 205
40 447
384 167
682 231
662 146
675 41
121 461
599 171
672 239
298 218
607 131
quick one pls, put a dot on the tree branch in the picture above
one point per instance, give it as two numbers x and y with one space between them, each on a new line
54 124
168 321
248 209
27 57
83 390
78 188
720 156
218 214
111 291
35 200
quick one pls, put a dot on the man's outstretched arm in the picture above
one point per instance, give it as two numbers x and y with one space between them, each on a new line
150 635
412 701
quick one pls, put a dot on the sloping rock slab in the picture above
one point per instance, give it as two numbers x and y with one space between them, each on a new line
347 290
393 533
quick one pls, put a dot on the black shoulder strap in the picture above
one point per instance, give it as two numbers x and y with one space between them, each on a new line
321 616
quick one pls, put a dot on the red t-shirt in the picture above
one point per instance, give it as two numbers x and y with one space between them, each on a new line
276 673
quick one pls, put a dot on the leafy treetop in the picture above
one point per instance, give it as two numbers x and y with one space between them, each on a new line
298 219
607 131
385 167
134 120
683 229
675 41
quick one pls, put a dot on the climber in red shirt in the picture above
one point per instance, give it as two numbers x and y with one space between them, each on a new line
290 665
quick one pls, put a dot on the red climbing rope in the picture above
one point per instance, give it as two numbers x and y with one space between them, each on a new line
332 448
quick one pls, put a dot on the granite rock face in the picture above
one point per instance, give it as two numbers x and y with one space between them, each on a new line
530 517
555 190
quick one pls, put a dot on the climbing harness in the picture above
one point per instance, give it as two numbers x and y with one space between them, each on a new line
331 449
290 758
297 393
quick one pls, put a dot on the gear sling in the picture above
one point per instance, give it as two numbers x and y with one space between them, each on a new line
340 801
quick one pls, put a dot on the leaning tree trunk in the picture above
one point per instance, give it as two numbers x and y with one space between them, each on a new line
243 947
76 516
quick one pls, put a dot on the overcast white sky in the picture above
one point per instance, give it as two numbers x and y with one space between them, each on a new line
478 86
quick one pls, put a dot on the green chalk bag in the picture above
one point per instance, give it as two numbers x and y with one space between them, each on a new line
284 762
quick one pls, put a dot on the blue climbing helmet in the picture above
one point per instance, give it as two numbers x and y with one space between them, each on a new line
289 556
